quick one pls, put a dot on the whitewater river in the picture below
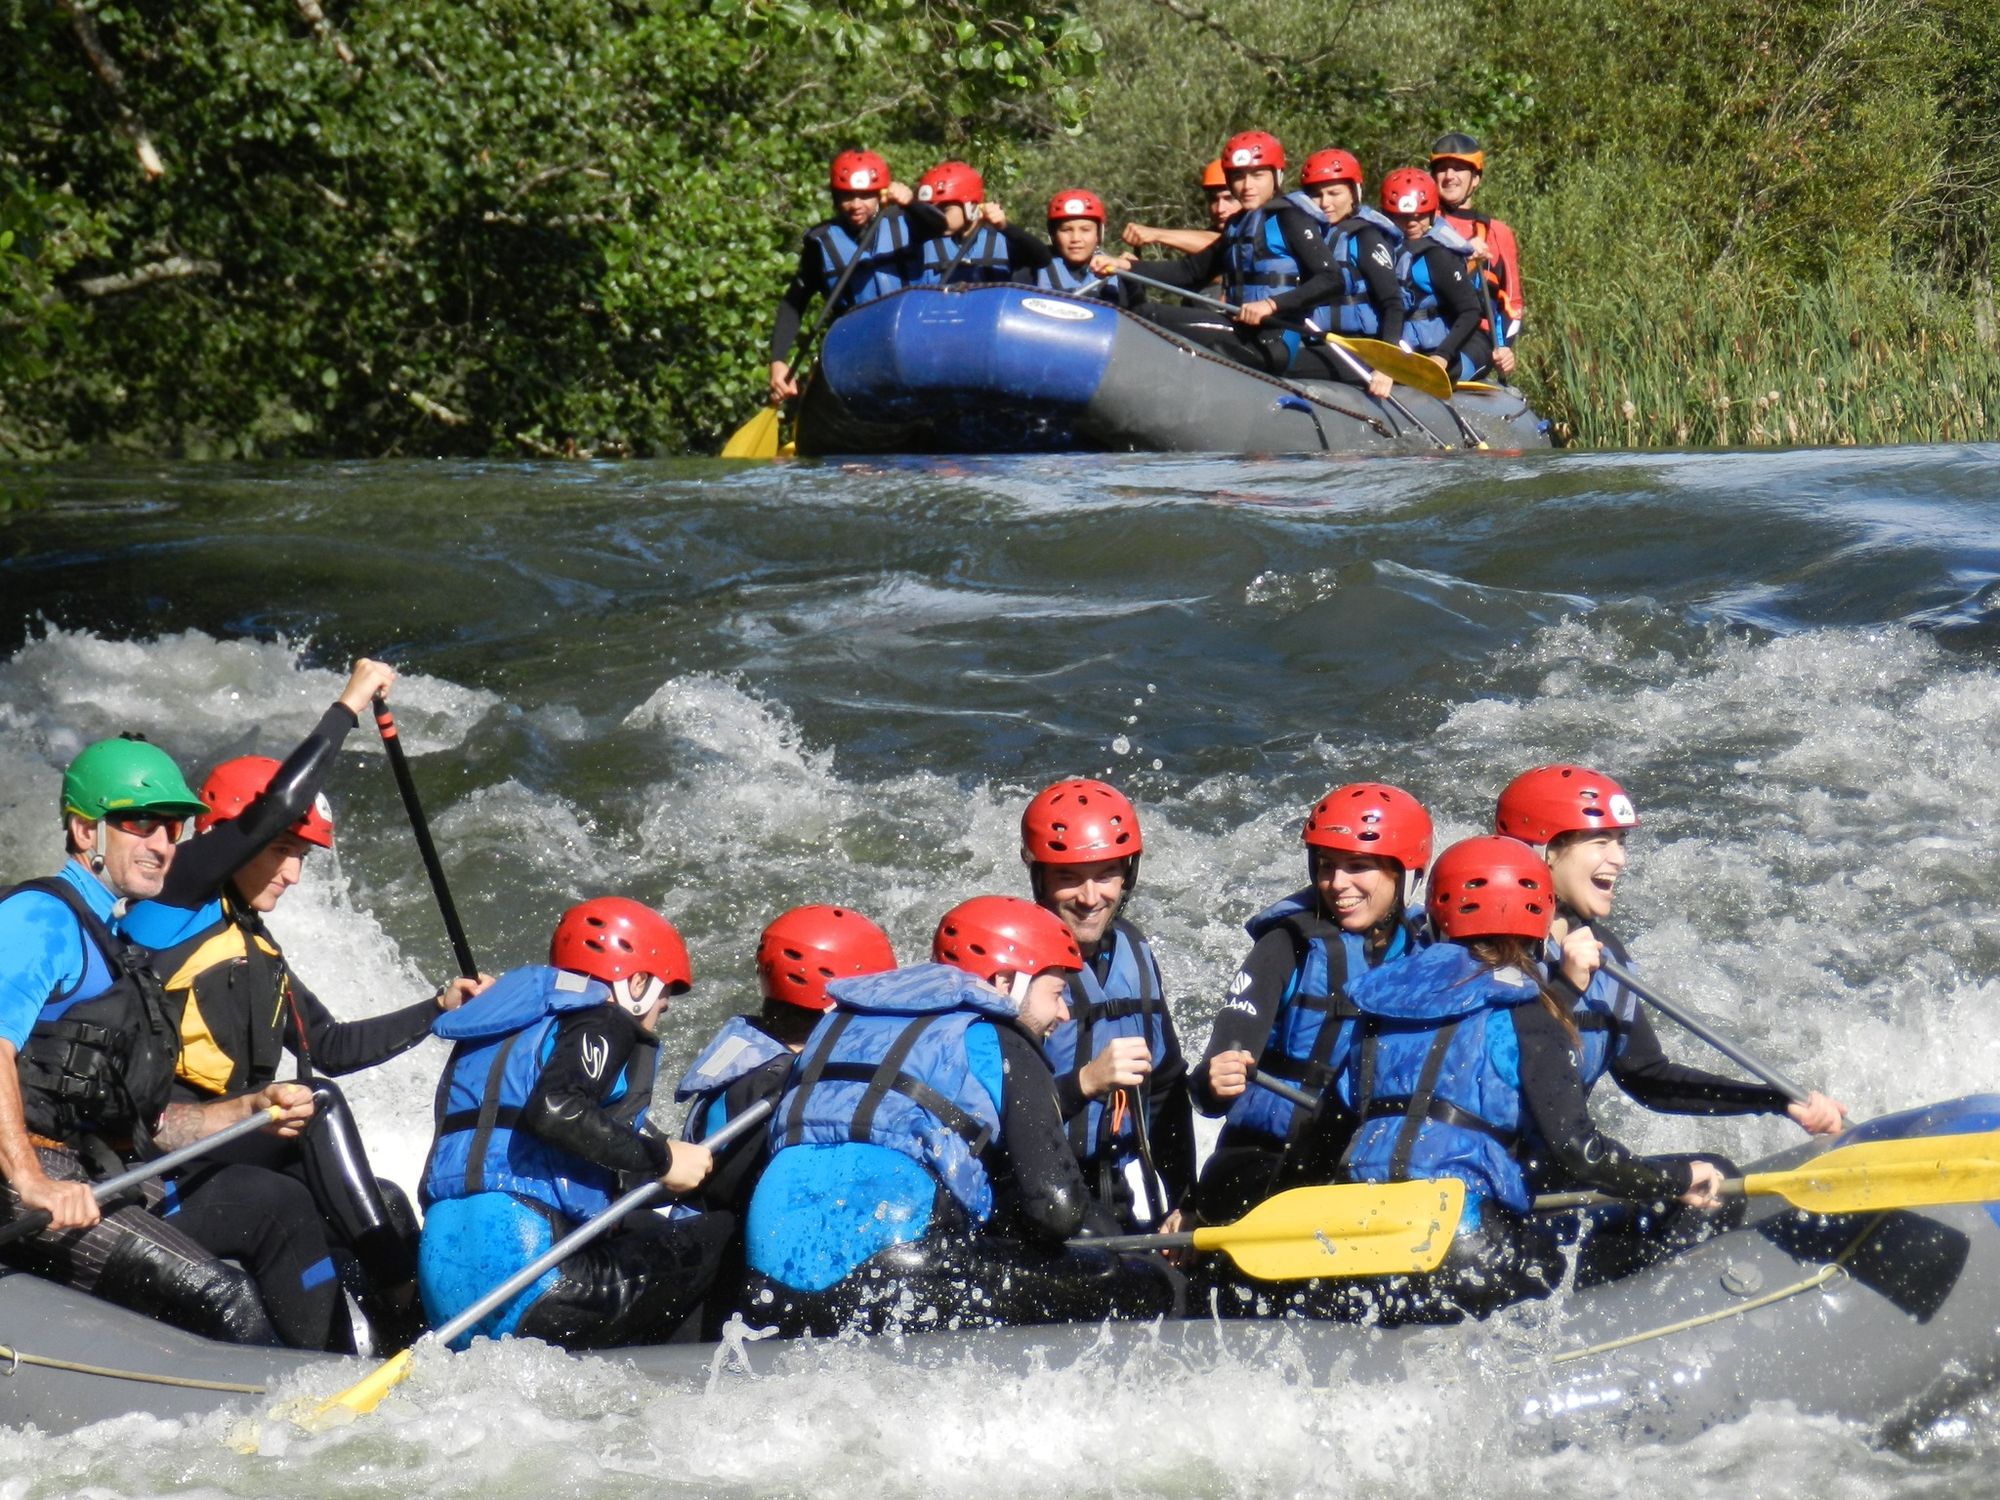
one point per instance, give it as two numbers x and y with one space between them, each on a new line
729 690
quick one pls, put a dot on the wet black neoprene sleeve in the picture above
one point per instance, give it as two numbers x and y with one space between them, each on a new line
337 1047
567 1109
1047 1183
1552 1096
1244 1022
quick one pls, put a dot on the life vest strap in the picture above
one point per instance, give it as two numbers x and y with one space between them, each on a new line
1443 1113
915 1090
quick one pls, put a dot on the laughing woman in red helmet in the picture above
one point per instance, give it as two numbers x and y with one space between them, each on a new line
541 1109
1462 1057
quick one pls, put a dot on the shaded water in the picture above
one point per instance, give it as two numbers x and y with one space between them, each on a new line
728 690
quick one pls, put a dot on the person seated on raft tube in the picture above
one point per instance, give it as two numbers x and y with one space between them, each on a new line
1222 206
964 227
1578 820
749 1060
1461 1057
1458 165
1120 1077
241 1006
1287 1014
920 1175
1442 308
87 1052
1370 304
888 242
541 1108
1275 266
1076 231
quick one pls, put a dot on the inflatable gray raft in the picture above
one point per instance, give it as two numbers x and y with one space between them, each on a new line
1888 1320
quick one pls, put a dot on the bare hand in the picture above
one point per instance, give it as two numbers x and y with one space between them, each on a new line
1138 236
1582 953
69 1205
899 194
1503 360
1440 361
688 1167
1705 1192
293 1100
368 681
1819 1115
783 387
1250 314
1380 386
993 214
461 989
1125 1061
1229 1074
1109 265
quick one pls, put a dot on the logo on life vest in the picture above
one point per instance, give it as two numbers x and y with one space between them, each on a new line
1068 312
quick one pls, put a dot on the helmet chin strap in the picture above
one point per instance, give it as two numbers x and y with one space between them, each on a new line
1018 991
637 1005
96 860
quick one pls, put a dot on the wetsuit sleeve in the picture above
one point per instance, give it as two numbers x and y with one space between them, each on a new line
1047 1182
1644 1071
1319 279
1025 253
1170 1118
805 284
1377 265
337 1047
43 956
566 1108
204 862
1552 1096
1192 271
1458 300
1244 1022
925 222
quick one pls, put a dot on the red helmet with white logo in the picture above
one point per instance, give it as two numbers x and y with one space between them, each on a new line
609 938
1078 823
993 935
1490 887
859 172
234 785
1409 190
951 182
1548 801
808 947
1075 203
1371 817
1249 149
1323 167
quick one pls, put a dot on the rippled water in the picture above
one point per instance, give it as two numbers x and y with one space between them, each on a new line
728 690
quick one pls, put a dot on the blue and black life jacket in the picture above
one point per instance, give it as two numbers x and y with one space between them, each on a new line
1603 1014
888 1067
1354 312
99 1059
884 246
1309 1035
503 1039
986 259
1425 326
1057 276
1434 1075
736 1051
1128 1001
1261 263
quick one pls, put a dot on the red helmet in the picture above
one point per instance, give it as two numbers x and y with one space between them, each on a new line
234 785
1550 800
1212 178
810 945
1409 190
610 937
1252 148
1075 203
993 935
951 182
1371 817
1331 166
1490 887
859 172
1078 823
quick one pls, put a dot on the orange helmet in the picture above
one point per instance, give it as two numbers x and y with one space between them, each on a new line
1212 179
1075 203
859 172
1458 147
1324 167
951 182
1250 149
1409 190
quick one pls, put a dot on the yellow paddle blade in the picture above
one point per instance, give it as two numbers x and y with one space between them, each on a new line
1361 1229
756 438
1401 366
363 1396
1481 387
1923 1171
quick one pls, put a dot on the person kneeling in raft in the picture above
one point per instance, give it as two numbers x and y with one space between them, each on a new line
542 1107
918 1128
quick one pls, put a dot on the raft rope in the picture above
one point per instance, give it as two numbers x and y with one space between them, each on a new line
1835 1268
15 1359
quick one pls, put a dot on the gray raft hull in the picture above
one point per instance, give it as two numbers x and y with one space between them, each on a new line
1886 1320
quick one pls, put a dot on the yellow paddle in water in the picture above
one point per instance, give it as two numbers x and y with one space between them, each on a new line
1358 1229
1927 1171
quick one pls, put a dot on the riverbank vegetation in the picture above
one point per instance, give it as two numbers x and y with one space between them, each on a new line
295 227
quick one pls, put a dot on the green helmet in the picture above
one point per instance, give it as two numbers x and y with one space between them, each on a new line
125 775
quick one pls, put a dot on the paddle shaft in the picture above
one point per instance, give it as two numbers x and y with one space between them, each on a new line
574 1241
1682 1017
1305 1100
1340 351
392 742
23 1225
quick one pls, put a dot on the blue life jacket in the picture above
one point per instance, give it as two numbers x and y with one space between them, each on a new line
1353 311
884 248
1603 1014
734 1052
1128 1002
1434 1074
503 1039
985 260
888 1067
1262 265
1425 326
1310 1034
1057 276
